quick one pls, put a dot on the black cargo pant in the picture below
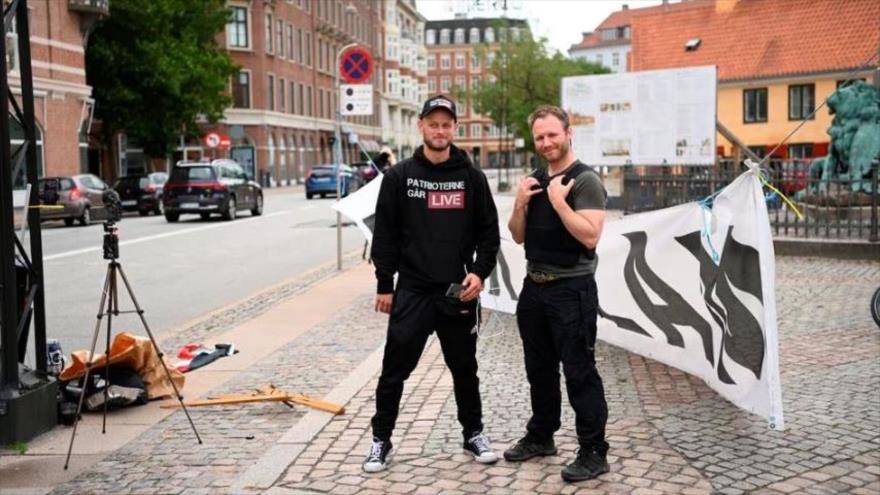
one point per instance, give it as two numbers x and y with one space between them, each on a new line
413 318
557 322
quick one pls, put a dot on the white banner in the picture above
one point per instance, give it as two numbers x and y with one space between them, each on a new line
687 286
360 206
690 287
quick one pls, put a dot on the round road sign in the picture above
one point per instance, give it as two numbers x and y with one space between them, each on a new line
355 65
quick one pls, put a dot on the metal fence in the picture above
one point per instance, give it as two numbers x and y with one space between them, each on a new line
832 209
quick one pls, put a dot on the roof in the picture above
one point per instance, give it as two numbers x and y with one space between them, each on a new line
760 38
623 18
479 22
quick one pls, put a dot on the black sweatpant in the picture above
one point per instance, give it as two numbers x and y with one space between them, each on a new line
413 318
557 322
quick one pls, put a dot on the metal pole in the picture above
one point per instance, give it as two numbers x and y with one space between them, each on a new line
33 214
337 157
9 307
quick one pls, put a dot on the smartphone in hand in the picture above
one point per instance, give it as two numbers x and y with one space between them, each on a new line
454 290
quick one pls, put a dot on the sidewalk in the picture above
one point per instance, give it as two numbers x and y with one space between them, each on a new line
668 432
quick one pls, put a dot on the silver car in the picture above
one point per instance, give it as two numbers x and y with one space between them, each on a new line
73 198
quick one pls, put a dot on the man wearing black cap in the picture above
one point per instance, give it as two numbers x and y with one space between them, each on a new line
436 227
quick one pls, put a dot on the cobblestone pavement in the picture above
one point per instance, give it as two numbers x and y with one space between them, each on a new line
669 433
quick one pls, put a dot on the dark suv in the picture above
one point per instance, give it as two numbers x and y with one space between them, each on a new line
141 193
219 186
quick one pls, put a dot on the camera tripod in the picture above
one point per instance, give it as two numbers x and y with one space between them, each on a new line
110 301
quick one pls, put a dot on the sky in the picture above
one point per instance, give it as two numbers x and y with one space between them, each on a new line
560 21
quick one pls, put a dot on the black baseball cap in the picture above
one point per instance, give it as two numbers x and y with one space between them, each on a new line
439 102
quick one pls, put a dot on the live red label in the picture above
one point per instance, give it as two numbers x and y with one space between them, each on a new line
446 200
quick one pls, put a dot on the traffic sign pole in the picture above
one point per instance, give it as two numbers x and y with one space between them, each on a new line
337 157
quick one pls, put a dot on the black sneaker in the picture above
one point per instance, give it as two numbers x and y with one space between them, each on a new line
377 459
586 466
478 445
526 448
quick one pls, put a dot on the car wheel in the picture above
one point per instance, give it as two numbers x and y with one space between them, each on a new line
323 195
143 213
308 195
172 217
230 212
69 221
258 206
86 217
205 216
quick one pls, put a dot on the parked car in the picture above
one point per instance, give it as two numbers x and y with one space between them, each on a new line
322 180
219 186
72 198
365 171
142 193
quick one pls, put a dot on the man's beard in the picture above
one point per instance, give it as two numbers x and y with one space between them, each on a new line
562 150
432 147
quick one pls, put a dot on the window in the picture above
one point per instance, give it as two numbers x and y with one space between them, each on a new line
599 58
282 102
279 37
432 85
309 49
291 50
432 62
291 94
301 102
476 130
801 101
514 34
475 81
320 102
237 28
310 106
270 93
320 54
800 151
460 82
615 59
444 84
609 34
444 36
755 105
761 151
475 62
430 37
490 38
299 56
444 61
269 47
474 35
461 132
459 60
459 36
241 90
849 82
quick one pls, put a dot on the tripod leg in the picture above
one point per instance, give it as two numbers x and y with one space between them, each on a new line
104 298
112 307
140 313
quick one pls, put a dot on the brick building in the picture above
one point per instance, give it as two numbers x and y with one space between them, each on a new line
454 62
62 99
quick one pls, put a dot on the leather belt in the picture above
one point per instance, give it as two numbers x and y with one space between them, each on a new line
542 278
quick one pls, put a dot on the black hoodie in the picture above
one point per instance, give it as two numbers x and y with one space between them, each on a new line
430 219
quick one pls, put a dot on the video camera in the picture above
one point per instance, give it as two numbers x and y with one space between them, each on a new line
113 213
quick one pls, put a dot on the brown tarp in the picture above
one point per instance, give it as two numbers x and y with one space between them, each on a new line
136 353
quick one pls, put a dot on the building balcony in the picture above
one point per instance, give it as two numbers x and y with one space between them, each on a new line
101 8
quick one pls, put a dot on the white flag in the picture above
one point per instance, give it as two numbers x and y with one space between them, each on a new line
690 287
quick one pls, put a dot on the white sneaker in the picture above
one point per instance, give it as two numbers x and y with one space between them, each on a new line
377 459
478 446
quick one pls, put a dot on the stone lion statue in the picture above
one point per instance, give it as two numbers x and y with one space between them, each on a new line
855 139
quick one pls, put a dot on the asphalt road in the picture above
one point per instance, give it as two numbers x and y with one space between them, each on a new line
181 271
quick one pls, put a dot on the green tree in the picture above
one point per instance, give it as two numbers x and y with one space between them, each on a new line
522 76
157 69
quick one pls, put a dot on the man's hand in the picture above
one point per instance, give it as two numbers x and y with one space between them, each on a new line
557 192
528 187
473 285
383 303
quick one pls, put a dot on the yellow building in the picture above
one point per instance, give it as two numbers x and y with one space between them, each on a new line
777 61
